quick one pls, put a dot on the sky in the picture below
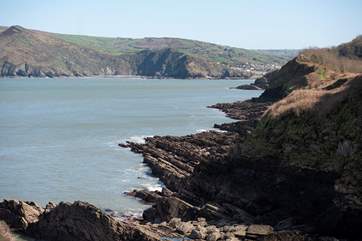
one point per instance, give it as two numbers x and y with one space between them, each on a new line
253 24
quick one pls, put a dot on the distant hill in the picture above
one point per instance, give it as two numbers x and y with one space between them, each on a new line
37 53
210 51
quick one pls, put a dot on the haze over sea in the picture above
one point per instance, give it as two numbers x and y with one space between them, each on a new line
59 137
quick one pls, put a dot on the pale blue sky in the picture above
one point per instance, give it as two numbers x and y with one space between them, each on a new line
247 24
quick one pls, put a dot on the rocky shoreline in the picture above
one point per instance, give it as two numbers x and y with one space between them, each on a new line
216 176
197 203
201 201
288 169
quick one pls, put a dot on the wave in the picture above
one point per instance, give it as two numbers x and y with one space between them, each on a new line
152 186
138 139
126 214
201 130
134 139
209 129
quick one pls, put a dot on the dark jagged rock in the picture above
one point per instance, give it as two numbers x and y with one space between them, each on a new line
19 214
79 221
250 110
82 221
193 167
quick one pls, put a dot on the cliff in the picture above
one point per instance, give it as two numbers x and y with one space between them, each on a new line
293 161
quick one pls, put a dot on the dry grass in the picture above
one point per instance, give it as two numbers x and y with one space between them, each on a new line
5 233
319 100
297 102
329 58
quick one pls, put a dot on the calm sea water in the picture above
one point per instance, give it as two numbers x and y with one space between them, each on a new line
58 137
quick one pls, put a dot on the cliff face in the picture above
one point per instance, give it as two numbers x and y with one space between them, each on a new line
315 136
30 53
311 138
170 63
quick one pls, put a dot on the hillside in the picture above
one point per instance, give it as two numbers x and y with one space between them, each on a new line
213 52
30 53
36 53
314 68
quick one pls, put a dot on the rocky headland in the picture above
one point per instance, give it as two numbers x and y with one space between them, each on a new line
289 168
292 161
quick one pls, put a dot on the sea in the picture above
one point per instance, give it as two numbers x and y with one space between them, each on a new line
59 136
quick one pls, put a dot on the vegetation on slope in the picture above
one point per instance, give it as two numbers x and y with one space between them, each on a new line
35 53
314 129
199 49
315 68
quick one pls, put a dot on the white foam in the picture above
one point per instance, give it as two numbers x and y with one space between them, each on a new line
218 130
152 187
138 139
201 130
127 214
210 129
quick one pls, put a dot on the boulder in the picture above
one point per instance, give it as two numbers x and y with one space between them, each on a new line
19 214
240 230
259 230
185 228
198 233
213 236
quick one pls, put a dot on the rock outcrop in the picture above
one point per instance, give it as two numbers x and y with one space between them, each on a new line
82 221
18 214
79 221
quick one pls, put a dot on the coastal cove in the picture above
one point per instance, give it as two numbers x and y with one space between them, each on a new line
59 137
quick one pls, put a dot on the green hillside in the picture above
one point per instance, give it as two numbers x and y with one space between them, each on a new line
210 51
27 52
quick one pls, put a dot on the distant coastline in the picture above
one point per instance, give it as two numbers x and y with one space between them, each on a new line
35 53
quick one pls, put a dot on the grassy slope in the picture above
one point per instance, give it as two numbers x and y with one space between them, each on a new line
79 54
317 128
42 50
316 68
319 111
213 52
